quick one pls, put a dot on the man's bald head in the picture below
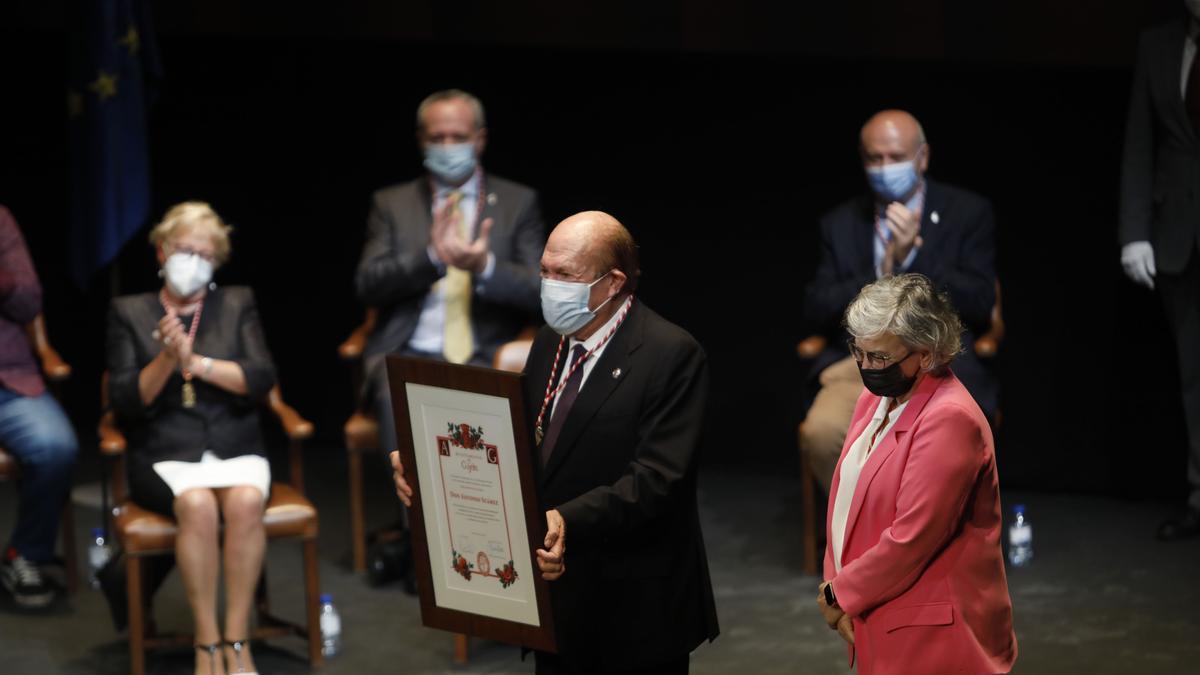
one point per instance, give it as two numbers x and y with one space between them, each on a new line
587 245
893 125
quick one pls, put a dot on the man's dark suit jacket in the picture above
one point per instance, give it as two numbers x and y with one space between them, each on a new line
958 254
395 273
221 421
636 591
1160 174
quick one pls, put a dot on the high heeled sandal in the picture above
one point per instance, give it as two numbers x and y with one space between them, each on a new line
212 655
238 646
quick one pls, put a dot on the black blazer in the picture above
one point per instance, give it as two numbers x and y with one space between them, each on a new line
623 476
222 422
958 254
1160 169
395 273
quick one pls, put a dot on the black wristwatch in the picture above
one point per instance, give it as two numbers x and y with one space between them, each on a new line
830 598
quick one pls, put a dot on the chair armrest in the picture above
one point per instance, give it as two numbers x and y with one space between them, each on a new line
112 441
987 346
811 346
296 427
53 366
511 356
352 348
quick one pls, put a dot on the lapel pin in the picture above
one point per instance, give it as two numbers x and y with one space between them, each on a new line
616 373
492 199
934 218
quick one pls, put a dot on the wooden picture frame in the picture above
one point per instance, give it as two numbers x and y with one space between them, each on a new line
463 436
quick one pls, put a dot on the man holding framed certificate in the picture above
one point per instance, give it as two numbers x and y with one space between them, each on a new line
616 398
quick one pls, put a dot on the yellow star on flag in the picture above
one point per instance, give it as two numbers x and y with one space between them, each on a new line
105 85
131 40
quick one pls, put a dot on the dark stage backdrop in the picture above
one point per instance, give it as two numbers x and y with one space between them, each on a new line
718 159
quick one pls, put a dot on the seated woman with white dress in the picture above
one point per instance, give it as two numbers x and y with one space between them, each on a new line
188 366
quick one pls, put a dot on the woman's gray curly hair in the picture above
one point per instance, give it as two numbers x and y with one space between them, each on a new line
911 308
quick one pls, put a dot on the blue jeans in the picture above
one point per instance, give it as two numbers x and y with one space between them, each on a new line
38 434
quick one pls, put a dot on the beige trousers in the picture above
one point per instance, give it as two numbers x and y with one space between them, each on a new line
824 430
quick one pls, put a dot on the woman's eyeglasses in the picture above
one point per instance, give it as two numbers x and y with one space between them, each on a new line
877 358
188 250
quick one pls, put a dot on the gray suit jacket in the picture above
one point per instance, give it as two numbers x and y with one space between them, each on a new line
395 273
1160 172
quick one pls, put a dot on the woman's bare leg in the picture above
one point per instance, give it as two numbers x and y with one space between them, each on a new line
245 545
196 553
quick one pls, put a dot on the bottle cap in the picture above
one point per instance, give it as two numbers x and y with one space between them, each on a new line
1019 508
326 598
97 532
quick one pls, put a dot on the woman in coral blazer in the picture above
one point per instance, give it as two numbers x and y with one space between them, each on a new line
914 572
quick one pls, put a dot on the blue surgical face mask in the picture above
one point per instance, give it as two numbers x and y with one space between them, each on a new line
451 163
893 181
565 304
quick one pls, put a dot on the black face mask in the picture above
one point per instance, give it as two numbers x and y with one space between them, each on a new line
890 381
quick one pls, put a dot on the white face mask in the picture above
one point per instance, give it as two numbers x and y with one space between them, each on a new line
187 273
565 304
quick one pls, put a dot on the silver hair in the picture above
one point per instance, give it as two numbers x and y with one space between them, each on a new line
911 308
449 95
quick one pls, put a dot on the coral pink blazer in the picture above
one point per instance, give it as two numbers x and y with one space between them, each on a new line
922 571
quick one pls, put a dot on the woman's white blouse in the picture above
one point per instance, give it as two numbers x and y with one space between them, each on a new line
852 465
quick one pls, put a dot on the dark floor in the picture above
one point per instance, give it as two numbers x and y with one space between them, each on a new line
1101 597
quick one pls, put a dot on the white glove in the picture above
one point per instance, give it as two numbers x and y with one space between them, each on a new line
1138 260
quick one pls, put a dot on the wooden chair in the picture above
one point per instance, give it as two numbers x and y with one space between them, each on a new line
986 347
55 371
143 533
361 433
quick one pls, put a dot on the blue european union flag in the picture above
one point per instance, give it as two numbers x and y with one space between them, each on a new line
112 61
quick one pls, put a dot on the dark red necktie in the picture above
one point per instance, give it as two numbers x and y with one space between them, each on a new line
1191 94
566 399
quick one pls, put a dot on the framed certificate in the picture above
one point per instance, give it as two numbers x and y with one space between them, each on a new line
475 520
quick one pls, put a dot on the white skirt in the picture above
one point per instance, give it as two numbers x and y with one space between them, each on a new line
213 472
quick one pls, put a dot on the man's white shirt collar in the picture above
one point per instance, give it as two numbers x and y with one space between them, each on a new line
595 338
469 189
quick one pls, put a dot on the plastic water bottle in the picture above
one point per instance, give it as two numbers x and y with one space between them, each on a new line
1020 539
98 554
331 627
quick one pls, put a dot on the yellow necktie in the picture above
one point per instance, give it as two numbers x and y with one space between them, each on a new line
457 342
